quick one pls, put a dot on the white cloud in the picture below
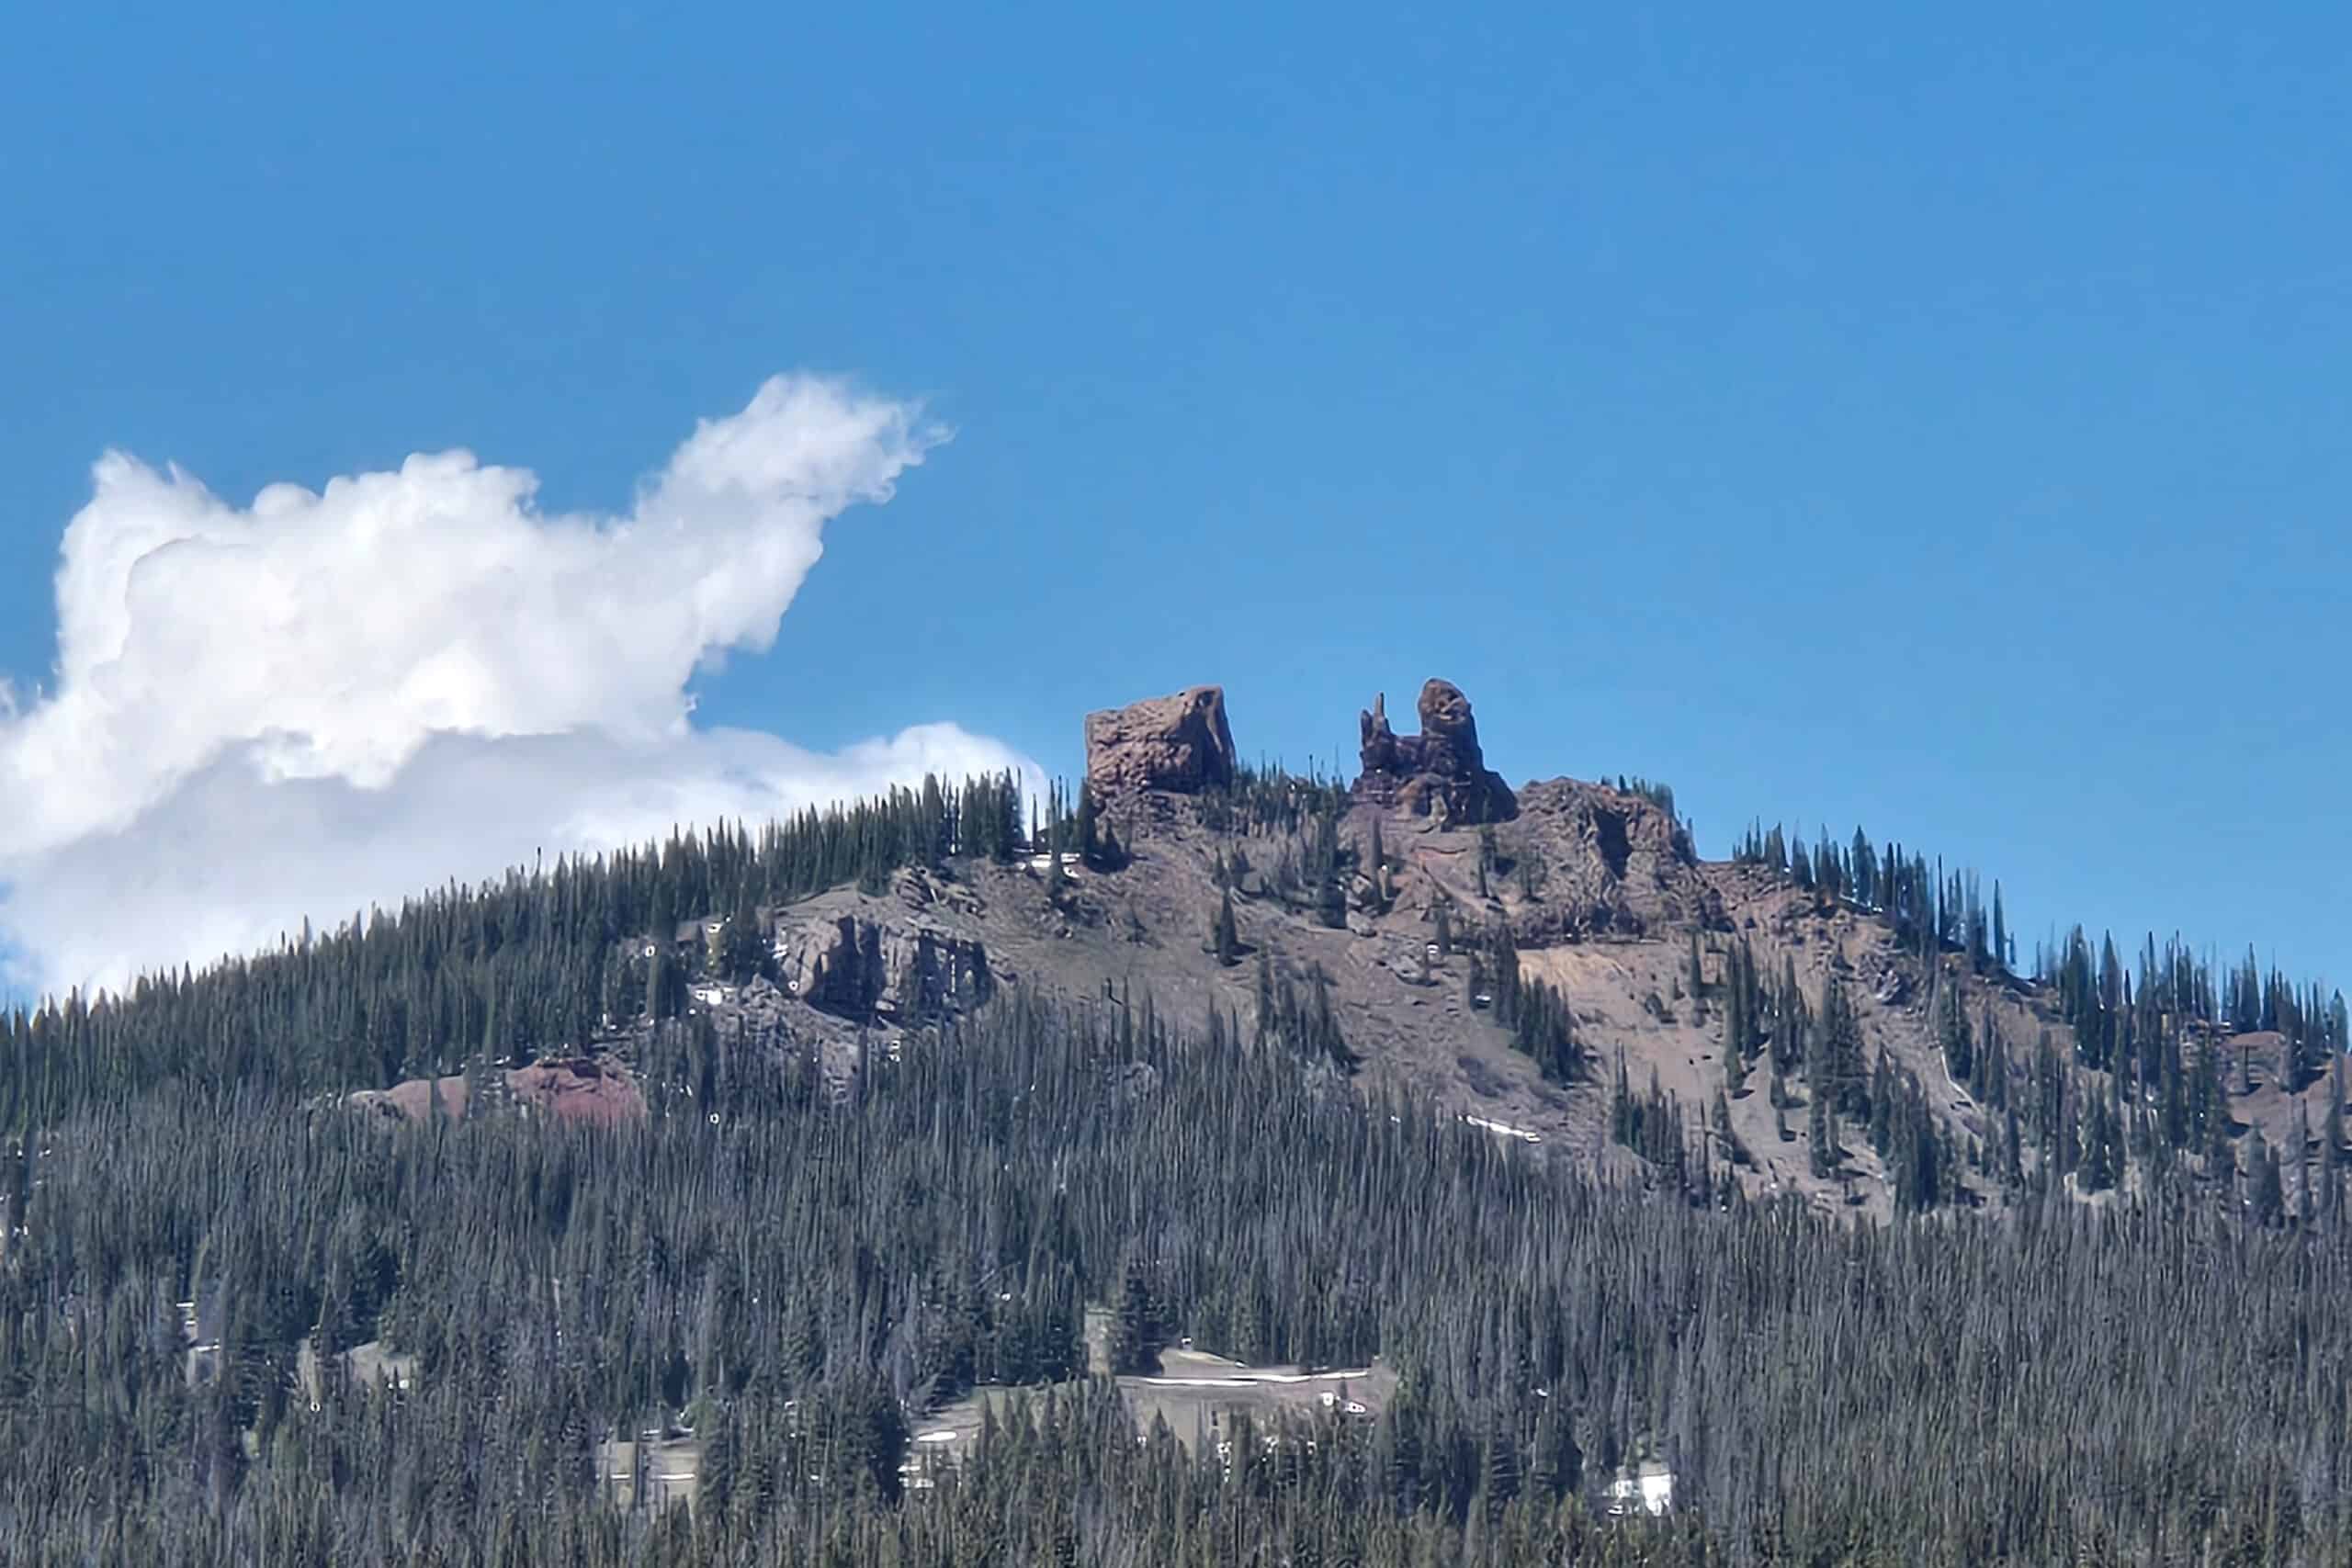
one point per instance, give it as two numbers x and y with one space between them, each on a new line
326 700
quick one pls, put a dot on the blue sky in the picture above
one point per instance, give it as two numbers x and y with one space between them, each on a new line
1935 423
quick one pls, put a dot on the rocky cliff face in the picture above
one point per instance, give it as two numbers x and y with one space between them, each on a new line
1612 862
1441 771
1178 743
903 967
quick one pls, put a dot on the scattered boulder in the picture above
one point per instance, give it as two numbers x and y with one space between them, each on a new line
413 1099
1411 964
1179 744
1441 771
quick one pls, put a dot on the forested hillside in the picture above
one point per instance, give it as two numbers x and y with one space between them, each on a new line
536 963
2083 1335
803 1277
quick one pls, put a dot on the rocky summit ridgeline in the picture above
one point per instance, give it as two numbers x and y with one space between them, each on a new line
1397 921
1609 861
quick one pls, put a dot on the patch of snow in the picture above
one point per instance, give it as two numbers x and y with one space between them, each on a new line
1504 1129
1245 1376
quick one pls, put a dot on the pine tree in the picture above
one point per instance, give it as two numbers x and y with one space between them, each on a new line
1882 1104
2330 1149
1056 875
1136 1334
1330 896
1090 842
741 953
2097 1172
1735 1153
2270 1197
1224 940
1266 1001
1820 1140
1557 1468
1840 1050
1500 1477
1621 1105
1952 1032
664 987
2306 1198
1699 984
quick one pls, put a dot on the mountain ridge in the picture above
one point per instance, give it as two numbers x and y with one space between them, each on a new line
1557 961
1381 918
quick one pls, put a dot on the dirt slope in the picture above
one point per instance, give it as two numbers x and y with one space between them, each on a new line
1607 920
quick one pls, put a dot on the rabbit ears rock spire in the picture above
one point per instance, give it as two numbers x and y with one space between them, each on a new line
1439 772
1181 744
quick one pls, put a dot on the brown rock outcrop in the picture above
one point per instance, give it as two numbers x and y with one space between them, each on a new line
596 1091
1178 743
1612 863
1439 771
592 1088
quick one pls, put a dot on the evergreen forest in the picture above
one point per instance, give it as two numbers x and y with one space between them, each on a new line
798 1265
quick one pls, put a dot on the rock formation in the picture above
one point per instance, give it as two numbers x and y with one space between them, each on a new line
414 1098
1177 743
1612 863
1439 772
579 1087
596 1091
863 968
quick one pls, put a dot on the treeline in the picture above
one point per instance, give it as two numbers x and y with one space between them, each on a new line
2154 1096
1657 793
1265 799
2118 1011
2125 1018
1928 907
538 959
2158 1031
